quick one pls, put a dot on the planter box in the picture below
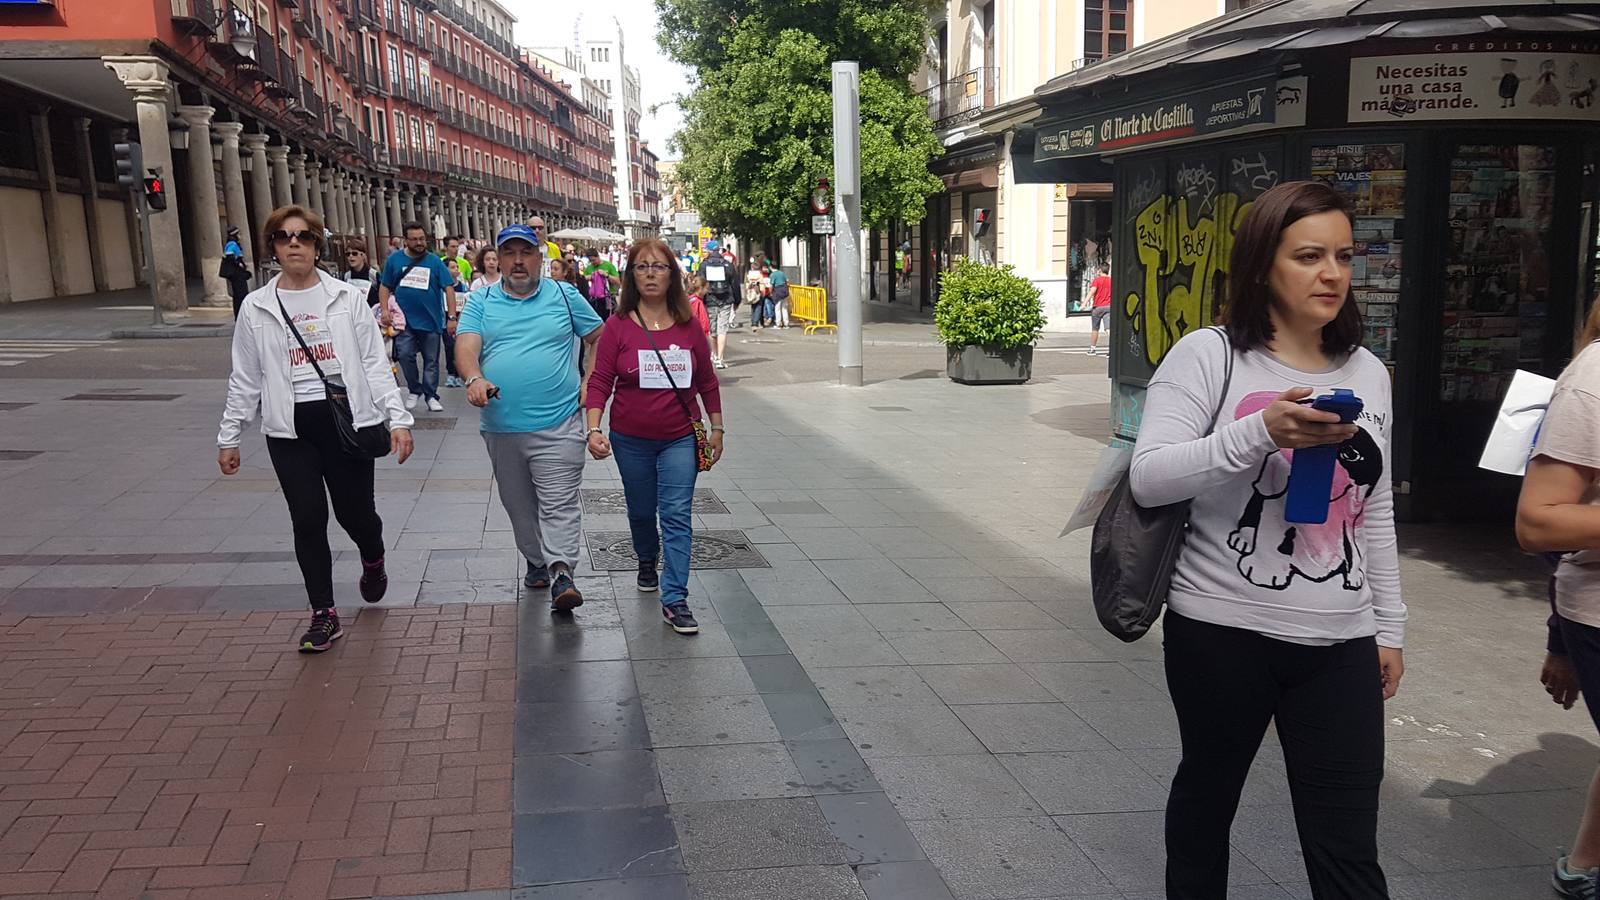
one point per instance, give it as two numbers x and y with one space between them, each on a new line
987 365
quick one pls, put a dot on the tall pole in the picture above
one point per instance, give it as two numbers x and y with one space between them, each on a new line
847 217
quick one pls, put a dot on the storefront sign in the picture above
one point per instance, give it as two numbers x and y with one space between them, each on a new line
1478 86
1243 106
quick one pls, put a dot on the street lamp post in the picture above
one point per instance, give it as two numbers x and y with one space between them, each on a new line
847 217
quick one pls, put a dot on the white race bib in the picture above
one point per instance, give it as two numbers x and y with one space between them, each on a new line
716 273
679 362
418 278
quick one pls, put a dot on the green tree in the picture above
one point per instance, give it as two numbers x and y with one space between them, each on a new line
758 130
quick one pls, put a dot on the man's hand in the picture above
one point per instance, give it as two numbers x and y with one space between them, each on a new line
714 441
400 444
478 393
228 460
1560 680
1391 666
450 328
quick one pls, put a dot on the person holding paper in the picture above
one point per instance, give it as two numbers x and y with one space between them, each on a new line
655 361
425 289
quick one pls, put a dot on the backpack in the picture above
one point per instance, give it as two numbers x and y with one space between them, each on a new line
599 285
719 291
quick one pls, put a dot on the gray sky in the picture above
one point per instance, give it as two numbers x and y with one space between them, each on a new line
543 23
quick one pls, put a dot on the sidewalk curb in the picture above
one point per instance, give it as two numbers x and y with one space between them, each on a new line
187 330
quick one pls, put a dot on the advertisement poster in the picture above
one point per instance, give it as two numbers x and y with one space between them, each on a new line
1241 107
1373 177
1478 86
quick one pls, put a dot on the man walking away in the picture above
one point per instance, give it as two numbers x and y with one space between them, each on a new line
720 296
424 288
1101 287
603 283
516 349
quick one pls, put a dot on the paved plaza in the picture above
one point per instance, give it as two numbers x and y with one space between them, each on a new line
899 691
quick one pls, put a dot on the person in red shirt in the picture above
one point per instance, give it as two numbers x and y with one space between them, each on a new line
654 365
697 303
1101 290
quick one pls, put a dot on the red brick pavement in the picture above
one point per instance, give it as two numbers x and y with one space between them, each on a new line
196 755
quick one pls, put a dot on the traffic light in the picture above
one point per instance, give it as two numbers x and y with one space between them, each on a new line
130 163
155 192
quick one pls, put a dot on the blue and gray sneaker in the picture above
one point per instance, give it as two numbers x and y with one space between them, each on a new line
1579 885
680 618
649 581
538 577
564 595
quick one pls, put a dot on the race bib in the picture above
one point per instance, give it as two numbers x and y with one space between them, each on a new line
679 362
418 278
716 273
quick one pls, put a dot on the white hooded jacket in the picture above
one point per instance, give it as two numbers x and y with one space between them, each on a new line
260 376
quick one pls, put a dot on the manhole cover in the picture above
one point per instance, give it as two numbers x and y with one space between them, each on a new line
119 398
444 424
13 455
610 502
612 551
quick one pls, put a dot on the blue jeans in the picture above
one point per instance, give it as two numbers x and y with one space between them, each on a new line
658 479
407 344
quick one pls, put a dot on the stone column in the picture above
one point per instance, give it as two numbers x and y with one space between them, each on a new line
282 183
91 203
364 207
302 191
341 216
473 222
55 227
204 214
260 185
426 211
391 198
325 197
233 187
146 78
408 205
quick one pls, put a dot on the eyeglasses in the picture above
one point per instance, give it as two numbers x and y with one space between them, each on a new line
304 236
653 267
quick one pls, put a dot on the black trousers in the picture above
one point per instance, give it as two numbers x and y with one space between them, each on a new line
311 468
1327 702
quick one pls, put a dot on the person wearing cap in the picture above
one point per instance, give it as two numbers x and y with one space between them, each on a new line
234 271
518 347
720 299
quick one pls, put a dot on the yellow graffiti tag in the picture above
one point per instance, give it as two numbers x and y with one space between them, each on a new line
1166 244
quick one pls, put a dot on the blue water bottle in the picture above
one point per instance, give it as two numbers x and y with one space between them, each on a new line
1311 473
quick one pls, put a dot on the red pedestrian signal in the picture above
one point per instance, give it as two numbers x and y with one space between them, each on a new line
155 195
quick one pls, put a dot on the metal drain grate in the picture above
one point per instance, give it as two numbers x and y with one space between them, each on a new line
444 424
612 551
119 398
610 502
14 455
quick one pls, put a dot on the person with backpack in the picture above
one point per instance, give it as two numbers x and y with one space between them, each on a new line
780 296
720 297
602 281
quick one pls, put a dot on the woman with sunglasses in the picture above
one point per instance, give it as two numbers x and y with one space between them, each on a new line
359 272
272 372
654 359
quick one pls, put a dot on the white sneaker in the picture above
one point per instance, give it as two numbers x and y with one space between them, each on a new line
719 364
434 405
412 400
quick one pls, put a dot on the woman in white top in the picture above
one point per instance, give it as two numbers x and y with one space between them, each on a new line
1285 603
1558 513
272 372
487 266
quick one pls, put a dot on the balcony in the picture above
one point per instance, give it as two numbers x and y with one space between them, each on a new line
366 12
961 99
194 16
372 79
286 77
266 61
305 22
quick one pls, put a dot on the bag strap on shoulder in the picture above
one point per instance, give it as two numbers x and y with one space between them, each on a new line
665 370
1227 377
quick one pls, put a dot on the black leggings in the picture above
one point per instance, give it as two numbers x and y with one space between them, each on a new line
304 465
1226 685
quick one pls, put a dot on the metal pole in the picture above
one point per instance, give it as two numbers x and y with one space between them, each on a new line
846 263
143 213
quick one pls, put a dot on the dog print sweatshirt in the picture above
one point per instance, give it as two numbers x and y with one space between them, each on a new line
1243 565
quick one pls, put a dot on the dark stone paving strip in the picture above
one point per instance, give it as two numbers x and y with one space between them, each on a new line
137 559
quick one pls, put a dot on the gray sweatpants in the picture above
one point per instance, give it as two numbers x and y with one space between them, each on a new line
539 473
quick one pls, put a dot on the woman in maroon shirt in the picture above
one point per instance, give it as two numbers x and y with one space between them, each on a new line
654 363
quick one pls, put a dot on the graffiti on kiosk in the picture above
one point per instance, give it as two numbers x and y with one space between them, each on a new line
1167 244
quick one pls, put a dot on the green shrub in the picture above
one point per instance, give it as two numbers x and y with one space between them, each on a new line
989 306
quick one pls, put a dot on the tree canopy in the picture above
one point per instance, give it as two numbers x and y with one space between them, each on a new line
758 129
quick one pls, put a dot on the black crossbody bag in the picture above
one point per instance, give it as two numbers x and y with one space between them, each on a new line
370 442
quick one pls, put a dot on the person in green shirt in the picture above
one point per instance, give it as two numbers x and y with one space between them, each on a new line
601 290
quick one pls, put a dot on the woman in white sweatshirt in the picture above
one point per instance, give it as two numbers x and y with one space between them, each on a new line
272 371
1270 620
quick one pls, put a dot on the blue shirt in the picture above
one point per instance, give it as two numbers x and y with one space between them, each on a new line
778 278
530 351
423 303
233 249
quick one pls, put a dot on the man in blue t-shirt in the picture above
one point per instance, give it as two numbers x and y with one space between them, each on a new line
425 290
519 349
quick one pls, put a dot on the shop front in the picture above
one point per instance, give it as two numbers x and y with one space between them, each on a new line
1470 161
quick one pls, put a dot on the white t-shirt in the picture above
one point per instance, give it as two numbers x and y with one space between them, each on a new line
1571 434
481 282
307 310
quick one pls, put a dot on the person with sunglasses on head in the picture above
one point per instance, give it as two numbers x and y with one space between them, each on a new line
287 376
425 289
519 349
654 365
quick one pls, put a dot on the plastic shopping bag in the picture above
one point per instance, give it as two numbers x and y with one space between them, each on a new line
1516 425
1114 461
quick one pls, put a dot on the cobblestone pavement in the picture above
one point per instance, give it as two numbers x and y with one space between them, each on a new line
906 696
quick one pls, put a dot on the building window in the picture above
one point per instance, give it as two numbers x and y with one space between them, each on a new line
429 133
1106 27
416 133
382 129
394 64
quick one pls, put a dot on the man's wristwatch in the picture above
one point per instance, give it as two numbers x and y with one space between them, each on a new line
451 317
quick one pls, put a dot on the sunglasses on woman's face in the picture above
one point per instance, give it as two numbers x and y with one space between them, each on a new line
304 236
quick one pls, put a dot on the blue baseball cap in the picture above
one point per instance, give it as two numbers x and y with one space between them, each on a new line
712 245
518 233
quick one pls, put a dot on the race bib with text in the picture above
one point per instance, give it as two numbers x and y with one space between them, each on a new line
680 363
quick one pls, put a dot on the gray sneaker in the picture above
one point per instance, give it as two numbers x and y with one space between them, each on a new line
1578 885
537 579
